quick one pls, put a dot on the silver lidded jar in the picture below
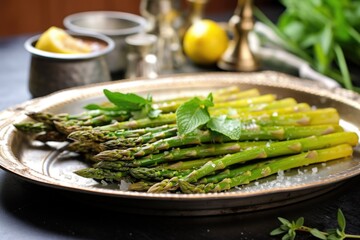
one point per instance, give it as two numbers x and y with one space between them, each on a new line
113 24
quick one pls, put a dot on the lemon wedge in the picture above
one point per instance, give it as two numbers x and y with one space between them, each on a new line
57 40
205 42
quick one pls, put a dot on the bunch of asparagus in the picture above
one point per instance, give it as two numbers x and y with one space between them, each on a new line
195 144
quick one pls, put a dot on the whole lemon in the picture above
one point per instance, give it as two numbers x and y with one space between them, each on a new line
205 41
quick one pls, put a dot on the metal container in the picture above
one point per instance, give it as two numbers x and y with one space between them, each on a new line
50 72
116 25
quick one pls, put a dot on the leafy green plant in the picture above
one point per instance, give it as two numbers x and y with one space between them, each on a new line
325 33
290 228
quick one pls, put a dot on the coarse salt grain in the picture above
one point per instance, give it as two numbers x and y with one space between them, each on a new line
124 186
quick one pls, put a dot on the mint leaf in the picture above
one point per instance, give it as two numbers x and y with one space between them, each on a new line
127 101
93 106
192 114
226 126
138 106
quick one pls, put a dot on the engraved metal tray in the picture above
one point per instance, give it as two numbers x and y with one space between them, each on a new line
48 164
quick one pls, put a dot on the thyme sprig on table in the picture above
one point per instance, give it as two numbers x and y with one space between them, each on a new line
290 228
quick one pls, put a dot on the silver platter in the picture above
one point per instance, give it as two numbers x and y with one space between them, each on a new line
51 166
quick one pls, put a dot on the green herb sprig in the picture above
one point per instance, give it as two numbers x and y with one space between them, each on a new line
290 228
194 114
138 106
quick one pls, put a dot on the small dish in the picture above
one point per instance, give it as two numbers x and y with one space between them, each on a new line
50 72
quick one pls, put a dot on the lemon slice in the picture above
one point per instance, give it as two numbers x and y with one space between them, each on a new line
56 40
205 41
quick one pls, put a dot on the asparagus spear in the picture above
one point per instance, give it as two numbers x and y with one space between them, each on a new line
156 174
169 118
281 103
97 135
84 147
270 167
301 107
141 186
33 127
201 151
143 139
101 174
120 165
248 133
48 118
272 149
247 102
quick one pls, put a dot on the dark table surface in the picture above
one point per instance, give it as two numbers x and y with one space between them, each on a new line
30 211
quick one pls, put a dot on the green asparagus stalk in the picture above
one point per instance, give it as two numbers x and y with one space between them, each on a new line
138 141
247 102
202 151
315 117
250 93
169 118
33 127
84 147
48 118
181 165
251 132
101 174
277 104
272 149
97 135
301 107
141 186
270 167
67 127
156 174
188 164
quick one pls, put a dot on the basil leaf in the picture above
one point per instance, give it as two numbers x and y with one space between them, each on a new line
192 114
226 126
126 101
